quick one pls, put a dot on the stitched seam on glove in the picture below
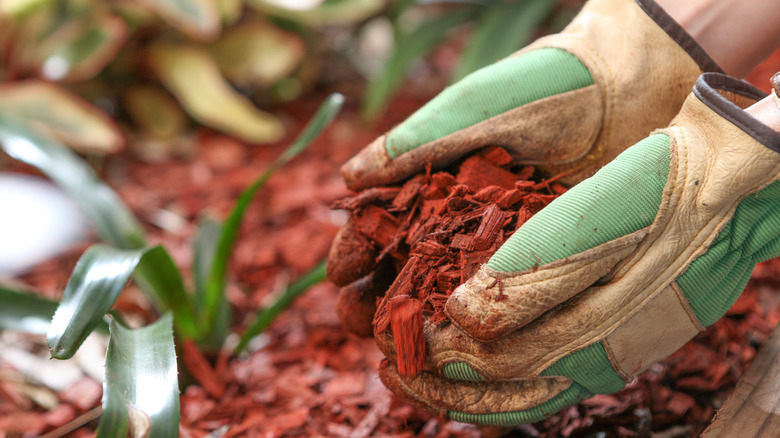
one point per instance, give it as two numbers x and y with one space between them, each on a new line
686 305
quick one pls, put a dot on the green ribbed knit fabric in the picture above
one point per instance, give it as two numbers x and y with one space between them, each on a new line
460 371
716 279
589 369
621 198
488 92
574 394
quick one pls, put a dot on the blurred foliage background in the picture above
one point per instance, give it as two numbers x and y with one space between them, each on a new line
97 74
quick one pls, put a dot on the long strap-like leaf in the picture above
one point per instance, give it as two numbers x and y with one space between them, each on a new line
503 27
215 283
266 315
97 279
25 312
408 48
141 389
114 221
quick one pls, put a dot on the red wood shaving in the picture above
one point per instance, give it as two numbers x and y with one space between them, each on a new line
406 316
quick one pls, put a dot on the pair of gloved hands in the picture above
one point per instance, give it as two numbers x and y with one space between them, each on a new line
629 264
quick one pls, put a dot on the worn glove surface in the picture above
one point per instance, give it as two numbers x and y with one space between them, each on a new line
568 103
614 275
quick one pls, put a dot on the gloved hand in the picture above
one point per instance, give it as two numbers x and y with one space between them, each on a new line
615 274
568 103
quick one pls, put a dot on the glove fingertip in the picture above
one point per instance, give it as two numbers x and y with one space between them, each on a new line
364 169
357 301
352 256
389 375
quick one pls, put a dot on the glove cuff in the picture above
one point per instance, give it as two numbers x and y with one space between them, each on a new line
709 88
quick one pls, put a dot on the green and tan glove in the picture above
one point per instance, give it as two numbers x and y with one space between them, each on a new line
614 275
569 102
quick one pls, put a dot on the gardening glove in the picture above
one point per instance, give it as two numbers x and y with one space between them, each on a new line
568 103
615 274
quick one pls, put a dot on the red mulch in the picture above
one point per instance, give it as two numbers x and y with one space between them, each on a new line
306 376
441 227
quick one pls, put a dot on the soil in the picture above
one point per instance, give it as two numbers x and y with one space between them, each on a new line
307 376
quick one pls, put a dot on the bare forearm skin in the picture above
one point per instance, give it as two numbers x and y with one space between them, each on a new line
737 34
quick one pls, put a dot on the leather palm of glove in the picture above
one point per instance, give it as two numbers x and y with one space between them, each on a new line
568 103
614 275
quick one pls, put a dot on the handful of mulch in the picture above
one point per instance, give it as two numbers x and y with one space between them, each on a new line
416 243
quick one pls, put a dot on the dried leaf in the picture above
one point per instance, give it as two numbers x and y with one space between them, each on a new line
326 13
258 53
81 48
191 74
155 112
62 115
230 10
15 8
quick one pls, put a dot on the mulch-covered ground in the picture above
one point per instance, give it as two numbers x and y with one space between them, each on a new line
306 376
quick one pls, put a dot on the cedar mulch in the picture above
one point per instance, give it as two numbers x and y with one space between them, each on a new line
441 227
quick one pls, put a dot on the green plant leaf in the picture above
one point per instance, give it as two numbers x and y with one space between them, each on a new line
61 114
29 313
205 249
258 53
409 47
266 316
215 283
141 389
327 13
206 241
192 75
156 274
198 19
502 28
81 48
159 277
99 276
113 220
25 312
